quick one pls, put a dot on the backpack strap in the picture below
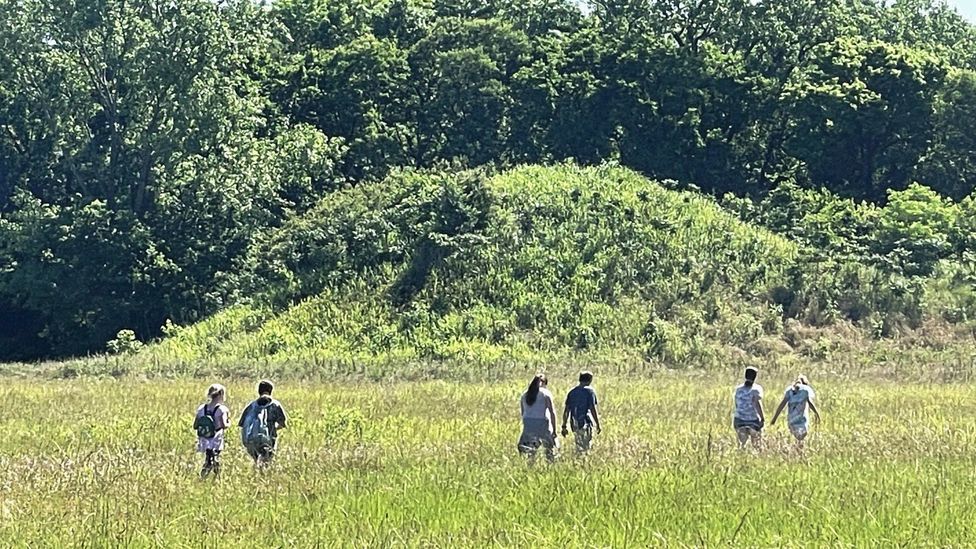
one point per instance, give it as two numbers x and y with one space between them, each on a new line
213 415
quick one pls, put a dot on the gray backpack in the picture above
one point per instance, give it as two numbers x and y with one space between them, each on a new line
256 431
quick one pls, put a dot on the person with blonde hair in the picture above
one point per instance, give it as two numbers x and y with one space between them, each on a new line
799 400
538 419
210 423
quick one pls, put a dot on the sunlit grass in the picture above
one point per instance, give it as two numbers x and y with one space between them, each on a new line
107 462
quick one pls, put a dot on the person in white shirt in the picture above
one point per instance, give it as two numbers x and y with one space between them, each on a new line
749 418
538 420
210 423
799 400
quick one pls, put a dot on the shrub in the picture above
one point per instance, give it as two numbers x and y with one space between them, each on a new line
915 230
124 343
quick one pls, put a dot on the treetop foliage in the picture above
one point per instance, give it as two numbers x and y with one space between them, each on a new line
150 151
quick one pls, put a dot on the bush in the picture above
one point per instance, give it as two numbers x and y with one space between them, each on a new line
915 230
124 343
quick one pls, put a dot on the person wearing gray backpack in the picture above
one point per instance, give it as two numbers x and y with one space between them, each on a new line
260 423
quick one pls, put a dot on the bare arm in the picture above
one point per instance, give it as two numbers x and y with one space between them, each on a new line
816 413
596 418
283 420
552 414
779 410
759 408
565 415
224 418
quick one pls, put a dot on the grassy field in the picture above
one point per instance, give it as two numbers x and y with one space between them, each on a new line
110 462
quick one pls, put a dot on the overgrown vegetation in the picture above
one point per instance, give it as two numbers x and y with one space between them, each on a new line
884 268
591 262
150 154
537 260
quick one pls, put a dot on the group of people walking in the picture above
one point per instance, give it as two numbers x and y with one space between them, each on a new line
539 417
259 424
749 417
265 416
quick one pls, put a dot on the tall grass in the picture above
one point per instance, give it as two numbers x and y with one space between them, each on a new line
94 463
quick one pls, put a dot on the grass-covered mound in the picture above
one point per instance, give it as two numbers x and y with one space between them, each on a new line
538 262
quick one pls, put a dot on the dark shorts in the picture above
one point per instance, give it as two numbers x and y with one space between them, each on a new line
264 452
754 424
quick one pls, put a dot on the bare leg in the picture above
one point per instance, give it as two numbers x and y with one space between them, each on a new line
743 435
208 464
215 464
528 446
584 440
800 437
528 449
799 432
756 439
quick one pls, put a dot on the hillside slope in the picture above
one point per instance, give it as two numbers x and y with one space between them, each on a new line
534 263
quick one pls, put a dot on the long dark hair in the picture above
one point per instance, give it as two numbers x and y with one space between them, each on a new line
533 391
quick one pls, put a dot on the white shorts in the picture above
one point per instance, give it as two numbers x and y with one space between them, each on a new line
799 430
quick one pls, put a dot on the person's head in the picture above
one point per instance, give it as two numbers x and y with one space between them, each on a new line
801 380
265 388
751 374
216 393
585 377
532 393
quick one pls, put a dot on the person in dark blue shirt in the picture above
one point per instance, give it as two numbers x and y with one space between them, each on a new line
581 413
260 423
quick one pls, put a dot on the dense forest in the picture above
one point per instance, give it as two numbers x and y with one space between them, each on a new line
154 155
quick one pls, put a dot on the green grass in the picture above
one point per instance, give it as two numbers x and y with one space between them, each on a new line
664 294
529 264
109 462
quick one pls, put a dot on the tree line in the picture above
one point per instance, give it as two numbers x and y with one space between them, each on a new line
145 143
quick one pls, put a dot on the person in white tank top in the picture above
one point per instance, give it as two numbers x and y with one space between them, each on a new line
538 420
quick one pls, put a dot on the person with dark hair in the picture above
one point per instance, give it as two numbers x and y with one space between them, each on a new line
260 423
799 397
581 411
749 418
538 420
